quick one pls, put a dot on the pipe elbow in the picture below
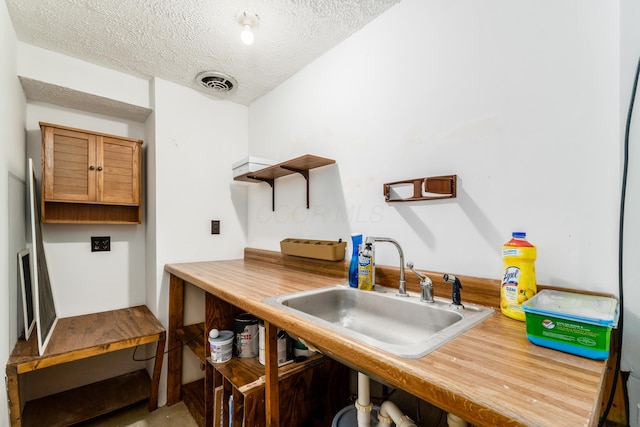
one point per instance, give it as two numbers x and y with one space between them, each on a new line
390 409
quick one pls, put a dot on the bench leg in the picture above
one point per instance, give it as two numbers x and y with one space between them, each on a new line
13 395
157 369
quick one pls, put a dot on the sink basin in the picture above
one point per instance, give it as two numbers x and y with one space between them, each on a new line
403 326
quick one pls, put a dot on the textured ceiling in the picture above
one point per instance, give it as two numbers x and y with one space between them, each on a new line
177 39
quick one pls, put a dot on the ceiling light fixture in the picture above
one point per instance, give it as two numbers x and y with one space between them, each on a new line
247 35
249 22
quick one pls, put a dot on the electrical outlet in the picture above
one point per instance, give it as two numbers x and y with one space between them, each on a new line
101 244
215 226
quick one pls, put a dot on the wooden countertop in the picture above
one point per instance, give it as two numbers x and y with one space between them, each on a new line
491 375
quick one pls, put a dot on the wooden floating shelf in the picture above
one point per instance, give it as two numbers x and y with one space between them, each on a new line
301 165
436 187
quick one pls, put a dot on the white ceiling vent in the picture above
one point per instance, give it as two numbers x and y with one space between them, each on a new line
216 81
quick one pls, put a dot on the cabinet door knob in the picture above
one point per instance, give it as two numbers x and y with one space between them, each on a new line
99 168
91 167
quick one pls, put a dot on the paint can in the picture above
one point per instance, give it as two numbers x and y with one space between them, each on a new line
246 335
284 345
221 345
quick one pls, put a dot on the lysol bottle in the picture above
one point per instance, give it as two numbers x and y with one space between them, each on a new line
519 275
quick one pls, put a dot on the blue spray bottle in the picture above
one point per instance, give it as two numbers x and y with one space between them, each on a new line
356 241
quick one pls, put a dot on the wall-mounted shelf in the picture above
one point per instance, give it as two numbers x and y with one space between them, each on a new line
436 187
301 165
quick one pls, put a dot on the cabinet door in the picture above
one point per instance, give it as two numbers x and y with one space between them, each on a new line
68 159
119 171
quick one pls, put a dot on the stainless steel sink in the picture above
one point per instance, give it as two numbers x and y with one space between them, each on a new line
403 326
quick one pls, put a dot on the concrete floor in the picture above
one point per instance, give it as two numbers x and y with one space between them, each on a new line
138 416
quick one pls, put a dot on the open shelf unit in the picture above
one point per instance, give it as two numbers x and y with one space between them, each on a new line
310 391
135 326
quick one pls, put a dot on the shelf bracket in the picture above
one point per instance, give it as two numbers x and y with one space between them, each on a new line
272 184
304 173
437 187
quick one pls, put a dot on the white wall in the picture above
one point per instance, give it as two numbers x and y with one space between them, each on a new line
191 140
189 182
197 138
81 76
83 281
526 106
522 106
12 174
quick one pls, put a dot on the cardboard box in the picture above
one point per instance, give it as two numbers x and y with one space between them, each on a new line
571 322
250 164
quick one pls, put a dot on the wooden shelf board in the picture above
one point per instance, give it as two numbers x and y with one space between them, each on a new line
188 336
83 403
248 373
240 371
55 212
306 163
293 368
193 398
79 337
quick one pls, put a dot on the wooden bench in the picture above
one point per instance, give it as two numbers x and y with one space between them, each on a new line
80 337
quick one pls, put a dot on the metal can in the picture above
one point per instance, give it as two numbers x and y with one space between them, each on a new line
284 346
246 335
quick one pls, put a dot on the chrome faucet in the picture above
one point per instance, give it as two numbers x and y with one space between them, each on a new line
402 291
426 285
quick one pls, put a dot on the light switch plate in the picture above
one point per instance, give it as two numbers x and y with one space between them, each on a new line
215 226
101 244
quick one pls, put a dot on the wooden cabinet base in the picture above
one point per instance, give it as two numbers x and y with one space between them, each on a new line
83 403
305 393
312 397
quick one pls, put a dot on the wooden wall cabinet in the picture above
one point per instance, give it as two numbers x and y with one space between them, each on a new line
90 177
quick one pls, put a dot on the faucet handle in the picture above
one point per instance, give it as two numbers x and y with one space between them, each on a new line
426 285
421 276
